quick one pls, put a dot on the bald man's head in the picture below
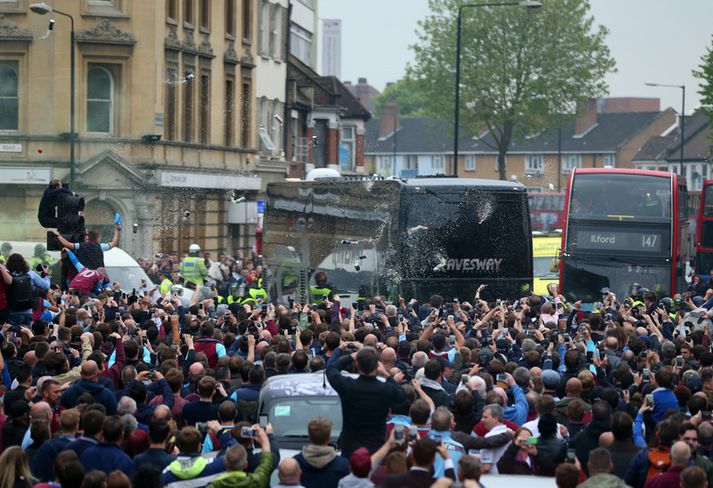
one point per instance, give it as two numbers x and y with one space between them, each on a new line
162 412
289 472
680 454
388 357
371 340
419 360
573 387
90 371
41 411
196 369
30 358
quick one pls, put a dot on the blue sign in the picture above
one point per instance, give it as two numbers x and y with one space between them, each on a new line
261 206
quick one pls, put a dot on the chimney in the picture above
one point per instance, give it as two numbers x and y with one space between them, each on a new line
362 81
389 120
586 116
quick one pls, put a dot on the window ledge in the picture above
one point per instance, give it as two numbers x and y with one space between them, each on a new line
204 30
171 21
230 37
12 9
189 26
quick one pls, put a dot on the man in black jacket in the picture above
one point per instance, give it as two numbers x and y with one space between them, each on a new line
365 400
588 439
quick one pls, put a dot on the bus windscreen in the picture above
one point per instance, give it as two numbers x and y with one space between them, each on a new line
620 197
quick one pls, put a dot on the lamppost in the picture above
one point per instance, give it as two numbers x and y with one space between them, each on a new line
42 9
682 117
456 112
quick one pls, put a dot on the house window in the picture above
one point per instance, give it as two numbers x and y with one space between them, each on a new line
438 162
412 162
171 104
229 109
571 161
386 165
205 14
609 160
188 11
470 162
346 148
204 119
301 44
245 123
230 17
188 107
100 100
276 122
275 16
264 26
534 163
247 20
8 96
172 9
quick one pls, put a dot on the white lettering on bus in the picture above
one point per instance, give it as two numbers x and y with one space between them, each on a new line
473 264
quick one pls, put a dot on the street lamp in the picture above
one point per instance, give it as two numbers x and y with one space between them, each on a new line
42 9
683 118
456 112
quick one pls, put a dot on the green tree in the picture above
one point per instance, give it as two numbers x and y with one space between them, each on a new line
409 94
705 74
521 69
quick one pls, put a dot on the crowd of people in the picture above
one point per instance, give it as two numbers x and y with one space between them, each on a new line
104 388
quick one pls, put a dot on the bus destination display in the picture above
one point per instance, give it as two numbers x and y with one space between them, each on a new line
600 240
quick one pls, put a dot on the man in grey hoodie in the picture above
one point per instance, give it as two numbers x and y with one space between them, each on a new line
321 467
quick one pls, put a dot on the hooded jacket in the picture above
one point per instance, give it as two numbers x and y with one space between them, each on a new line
351 481
588 439
321 467
240 479
192 471
604 481
100 393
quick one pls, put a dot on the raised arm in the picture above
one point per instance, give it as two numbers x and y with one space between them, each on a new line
64 242
115 239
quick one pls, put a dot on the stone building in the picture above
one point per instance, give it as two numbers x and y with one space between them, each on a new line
165 124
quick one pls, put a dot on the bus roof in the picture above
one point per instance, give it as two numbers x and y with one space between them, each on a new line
479 182
624 171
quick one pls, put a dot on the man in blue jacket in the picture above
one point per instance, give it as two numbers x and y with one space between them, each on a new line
108 456
43 461
90 383
664 397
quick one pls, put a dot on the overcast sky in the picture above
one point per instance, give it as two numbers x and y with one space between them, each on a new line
659 41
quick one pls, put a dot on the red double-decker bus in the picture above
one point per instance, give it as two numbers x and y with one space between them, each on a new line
624 226
704 231
546 210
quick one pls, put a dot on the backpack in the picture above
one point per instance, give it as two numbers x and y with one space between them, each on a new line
659 461
20 295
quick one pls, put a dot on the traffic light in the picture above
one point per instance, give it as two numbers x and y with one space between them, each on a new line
69 221
68 208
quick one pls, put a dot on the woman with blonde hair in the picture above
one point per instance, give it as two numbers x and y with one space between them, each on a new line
15 469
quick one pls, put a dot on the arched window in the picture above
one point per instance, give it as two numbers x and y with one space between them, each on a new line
100 100
8 96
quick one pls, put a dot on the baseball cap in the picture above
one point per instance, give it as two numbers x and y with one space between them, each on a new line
18 408
551 379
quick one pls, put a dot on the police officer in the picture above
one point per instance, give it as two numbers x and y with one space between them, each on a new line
40 258
321 287
166 283
5 252
193 268
255 289
237 292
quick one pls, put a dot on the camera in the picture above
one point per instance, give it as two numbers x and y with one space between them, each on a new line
413 433
248 432
202 427
464 379
186 215
135 227
152 375
399 434
502 377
